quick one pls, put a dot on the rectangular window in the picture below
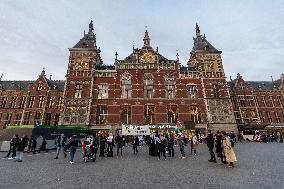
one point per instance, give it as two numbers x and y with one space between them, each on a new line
23 101
242 101
149 114
261 117
277 117
271 101
60 102
279 101
31 101
13 102
269 117
41 101
101 116
172 114
27 118
192 91
18 119
57 116
3 102
103 91
0 116
216 92
38 116
263 101
50 102
195 114
125 116
78 91
39 86
148 88
126 89
47 119
256 100
8 119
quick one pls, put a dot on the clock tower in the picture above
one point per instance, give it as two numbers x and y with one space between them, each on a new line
206 59
79 80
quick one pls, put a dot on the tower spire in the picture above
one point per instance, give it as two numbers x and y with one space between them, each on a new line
91 27
146 39
197 30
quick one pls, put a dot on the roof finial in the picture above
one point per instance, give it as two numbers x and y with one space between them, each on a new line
146 39
1 77
177 55
91 27
43 71
157 49
116 55
50 76
197 30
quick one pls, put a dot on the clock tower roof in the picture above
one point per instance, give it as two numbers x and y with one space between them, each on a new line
88 40
201 44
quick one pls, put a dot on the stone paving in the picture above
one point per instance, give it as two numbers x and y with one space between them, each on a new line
259 165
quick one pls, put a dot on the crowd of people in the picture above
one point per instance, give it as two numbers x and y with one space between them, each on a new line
161 145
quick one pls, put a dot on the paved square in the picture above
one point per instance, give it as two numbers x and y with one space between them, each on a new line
259 165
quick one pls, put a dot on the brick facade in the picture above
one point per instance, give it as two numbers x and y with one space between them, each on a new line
143 88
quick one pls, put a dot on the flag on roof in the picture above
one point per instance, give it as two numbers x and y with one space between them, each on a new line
179 124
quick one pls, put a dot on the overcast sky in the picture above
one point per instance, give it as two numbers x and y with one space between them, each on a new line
36 34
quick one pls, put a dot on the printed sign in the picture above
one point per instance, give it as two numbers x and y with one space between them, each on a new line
135 130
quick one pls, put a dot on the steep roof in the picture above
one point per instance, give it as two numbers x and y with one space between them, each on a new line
201 44
88 40
258 85
15 85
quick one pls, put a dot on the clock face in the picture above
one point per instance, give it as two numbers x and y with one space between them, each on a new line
81 64
147 58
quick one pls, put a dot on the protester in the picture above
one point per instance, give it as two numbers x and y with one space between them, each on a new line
228 150
119 143
60 143
210 145
43 146
13 147
21 147
73 143
181 145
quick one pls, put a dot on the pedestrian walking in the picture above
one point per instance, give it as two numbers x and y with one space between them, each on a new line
34 145
219 148
73 143
13 147
171 146
194 143
102 145
110 143
180 140
119 144
152 142
60 143
21 147
162 148
228 150
43 146
94 149
135 144
210 145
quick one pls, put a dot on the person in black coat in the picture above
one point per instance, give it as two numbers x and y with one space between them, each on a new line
210 145
171 146
135 144
43 146
102 145
219 149
119 143
21 147
13 146
162 148
34 144
94 149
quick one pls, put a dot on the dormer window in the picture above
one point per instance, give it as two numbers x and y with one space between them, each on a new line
78 91
103 91
39 86
192 91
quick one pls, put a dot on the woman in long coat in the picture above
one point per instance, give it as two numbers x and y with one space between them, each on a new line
228 151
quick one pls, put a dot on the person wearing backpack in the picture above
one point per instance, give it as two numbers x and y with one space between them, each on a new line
21 147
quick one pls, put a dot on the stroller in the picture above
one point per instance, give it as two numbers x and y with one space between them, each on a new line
88 153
